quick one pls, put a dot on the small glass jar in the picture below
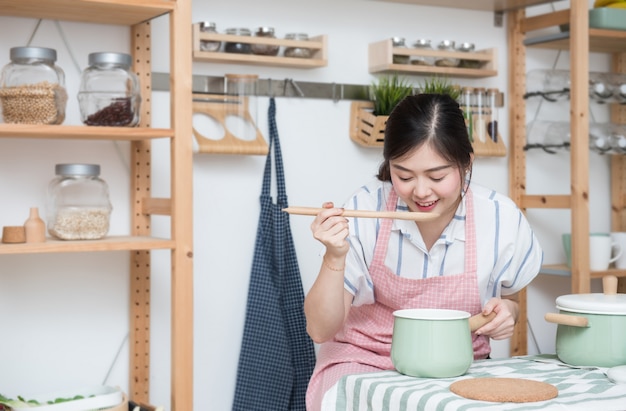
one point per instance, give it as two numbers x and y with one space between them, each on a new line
480 125
265 49
235 46
467 63
467 97
492 124
109 91
78 205
423 44
209 45
298 52
32 87
447 45
399 42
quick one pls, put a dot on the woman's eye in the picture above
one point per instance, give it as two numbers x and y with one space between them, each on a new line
437 179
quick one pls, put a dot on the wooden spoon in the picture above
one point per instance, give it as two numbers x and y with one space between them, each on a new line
398 215
478 320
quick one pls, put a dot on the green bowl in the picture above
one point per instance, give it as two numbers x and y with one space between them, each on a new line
431 343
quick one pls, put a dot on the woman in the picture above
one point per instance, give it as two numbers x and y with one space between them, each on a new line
475 256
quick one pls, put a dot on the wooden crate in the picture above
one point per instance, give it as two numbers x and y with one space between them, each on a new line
366 129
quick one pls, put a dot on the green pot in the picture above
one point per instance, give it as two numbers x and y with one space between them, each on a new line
591 329
431 343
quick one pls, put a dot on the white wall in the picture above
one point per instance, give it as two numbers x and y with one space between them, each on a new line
66 316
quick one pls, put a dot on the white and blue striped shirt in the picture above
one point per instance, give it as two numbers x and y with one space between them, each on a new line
508 253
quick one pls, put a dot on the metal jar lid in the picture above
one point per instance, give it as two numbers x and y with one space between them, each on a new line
465 47
422 43
110 58
398 41
446 44
207 26
43 53
265 31
594 303
77 170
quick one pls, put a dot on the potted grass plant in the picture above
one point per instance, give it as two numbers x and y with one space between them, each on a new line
368 118
440 85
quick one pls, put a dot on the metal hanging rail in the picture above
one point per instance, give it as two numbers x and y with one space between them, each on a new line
287 87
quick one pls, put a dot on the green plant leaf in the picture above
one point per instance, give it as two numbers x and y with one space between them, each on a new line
388 92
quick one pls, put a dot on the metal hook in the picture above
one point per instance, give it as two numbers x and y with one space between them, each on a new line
335 99
270 92
295 85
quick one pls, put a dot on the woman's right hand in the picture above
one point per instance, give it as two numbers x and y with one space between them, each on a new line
331 229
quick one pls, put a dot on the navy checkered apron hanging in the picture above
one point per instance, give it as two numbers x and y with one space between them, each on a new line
277 356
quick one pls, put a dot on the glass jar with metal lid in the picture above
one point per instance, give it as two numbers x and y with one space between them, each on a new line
423 44
447 45
399 42
265 49
109 91
298 52
32 87
209 45
78 205
236 46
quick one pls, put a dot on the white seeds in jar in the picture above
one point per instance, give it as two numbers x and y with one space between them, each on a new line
40 103
80 223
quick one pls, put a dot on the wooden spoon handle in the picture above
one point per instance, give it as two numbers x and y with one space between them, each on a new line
398 215
478 320
609 284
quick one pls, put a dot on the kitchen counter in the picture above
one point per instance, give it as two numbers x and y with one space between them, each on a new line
580 388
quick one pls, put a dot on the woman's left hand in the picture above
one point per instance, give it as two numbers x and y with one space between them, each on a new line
502 325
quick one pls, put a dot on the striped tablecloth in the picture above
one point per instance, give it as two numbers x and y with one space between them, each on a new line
583 389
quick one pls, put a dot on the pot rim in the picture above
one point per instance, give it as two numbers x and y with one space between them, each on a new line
431 314
593 303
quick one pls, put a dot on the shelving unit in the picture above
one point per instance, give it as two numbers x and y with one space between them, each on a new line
137 14
381 61
579 41
318 44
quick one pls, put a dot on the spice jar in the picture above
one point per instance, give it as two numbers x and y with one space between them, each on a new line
32 87
209 45
466 63
236 46
423 44
492 124
265 49
109 91
446 45
399 42
78 206
298 52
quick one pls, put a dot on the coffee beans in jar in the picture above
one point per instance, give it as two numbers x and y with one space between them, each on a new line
265 49
32 87
78 206
109 91
236 46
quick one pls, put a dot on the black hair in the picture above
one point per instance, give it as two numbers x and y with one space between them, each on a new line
434 119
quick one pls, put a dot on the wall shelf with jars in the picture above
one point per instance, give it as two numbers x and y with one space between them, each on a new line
241 46
390 56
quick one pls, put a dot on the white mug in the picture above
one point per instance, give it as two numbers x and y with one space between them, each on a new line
601 248
620 238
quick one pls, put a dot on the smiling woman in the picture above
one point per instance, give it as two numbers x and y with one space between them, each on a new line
474 256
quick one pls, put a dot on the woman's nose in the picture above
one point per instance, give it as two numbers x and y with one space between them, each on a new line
421 189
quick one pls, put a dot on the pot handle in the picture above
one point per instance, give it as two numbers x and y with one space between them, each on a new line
478 320
563 319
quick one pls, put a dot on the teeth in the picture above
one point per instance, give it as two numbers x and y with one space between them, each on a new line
426 204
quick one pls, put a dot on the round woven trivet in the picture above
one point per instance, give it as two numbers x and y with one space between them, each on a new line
504 390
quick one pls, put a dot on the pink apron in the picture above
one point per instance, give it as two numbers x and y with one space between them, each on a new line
364 343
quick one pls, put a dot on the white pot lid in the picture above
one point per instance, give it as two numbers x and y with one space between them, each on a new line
594 303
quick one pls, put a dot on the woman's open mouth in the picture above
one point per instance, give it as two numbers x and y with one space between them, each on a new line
423 207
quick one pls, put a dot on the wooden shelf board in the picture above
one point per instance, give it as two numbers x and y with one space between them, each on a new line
82 132
564 271
119 12
428 70
484 5
256 60
112 243
600 41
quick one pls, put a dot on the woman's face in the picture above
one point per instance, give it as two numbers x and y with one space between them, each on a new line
427 182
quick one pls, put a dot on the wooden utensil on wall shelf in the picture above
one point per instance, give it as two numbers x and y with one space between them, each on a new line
397 215
34 227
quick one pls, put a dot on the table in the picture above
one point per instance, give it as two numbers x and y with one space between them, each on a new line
580 388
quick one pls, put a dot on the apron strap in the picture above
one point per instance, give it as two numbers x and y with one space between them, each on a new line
274 146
